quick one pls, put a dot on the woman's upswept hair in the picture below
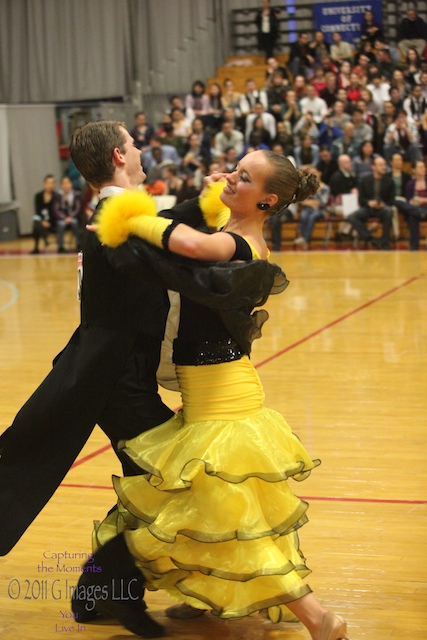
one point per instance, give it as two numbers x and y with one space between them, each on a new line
288 183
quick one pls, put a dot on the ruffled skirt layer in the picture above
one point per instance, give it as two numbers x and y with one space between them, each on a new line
213 520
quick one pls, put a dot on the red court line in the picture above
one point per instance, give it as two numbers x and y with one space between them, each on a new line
338 320
90 455
293 345
311 498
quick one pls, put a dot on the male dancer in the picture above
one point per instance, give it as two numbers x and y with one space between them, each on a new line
107 372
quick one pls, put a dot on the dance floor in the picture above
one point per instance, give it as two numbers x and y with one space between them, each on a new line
344 358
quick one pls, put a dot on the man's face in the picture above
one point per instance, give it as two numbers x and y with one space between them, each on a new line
417 92
411 15
304 38
345 163
226 128
133 167
397 162
250 86
380 166
140 120
66 185
311 91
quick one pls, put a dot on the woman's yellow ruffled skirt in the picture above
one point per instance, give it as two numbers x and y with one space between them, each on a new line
213 521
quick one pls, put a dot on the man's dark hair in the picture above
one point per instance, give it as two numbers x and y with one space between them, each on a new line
92 147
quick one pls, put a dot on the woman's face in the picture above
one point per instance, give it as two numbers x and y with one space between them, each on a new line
198 89
420 169
345 67
246 185
215 90
412 55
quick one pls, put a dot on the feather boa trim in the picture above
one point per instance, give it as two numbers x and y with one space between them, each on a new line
211 204
113 226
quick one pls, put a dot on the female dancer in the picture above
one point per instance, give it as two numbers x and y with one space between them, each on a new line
214 521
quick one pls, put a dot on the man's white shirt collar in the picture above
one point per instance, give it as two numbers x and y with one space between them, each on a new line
111 190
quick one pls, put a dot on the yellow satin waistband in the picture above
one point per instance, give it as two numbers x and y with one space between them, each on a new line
226 391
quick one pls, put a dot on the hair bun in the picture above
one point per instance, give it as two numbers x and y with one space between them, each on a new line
308 185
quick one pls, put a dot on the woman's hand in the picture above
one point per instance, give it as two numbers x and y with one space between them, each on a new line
92 227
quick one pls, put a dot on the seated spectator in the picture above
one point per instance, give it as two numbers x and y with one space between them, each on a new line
327 165
343 181
230 160
370 28
354 88
344 75
348 144
362 163
269 121
413 63
414 207
362 130
318 47
291 110
169 152
172 180
177 103
376 199
327 132
204 137
230 98
67 209
276 96
197 100
230 116
259 134
251 98
317 107
155 183
370 108
214 118
306 126
273 66
362 69
343 97
380 91
193 154
402 137
188 189
166 120
388 117
412 32
329 93
181 126
306 154
366 49
44 217
204 169
340 50
423 83
300 87
329 66
339 117
399 177
284 137
312 210
319 79
398 80
300 56
415 105
141 132
395 98
228 137
168 137
385 62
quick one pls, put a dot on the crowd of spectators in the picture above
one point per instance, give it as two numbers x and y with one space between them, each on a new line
348 114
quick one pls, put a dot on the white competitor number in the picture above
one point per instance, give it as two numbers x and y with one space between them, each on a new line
79 274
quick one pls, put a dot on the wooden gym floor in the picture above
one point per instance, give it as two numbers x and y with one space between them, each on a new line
343 357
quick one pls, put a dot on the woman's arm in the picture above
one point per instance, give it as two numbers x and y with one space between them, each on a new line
194 244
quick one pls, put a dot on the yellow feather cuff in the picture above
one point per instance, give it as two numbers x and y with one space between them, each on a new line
113 223
212 207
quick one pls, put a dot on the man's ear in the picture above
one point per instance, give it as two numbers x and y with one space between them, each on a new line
118 157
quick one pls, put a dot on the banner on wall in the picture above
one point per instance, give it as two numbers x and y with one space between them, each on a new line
344 17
